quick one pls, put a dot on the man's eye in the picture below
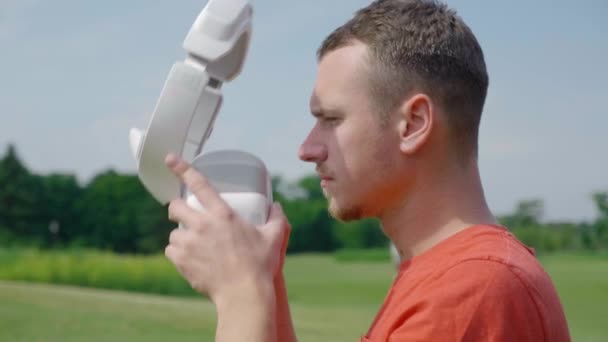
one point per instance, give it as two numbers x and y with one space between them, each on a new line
331 120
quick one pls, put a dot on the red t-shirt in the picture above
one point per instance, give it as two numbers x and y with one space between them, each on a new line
480 284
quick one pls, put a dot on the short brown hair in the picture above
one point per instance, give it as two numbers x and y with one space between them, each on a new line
421 45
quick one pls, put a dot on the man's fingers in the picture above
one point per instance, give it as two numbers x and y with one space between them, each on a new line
178 237
277 229
276 214
198 185
180 212
175 255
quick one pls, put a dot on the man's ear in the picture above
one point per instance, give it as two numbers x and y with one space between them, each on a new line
416 116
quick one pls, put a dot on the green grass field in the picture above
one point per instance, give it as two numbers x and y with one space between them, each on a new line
331 301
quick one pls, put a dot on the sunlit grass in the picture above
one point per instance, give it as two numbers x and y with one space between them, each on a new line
333 299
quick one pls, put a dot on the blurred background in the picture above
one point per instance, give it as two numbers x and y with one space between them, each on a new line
80 236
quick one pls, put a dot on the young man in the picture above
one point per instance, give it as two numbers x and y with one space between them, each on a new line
398 100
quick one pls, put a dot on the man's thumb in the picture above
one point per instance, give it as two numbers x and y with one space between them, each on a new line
277 226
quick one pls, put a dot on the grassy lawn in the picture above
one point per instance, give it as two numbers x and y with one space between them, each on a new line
582 283
331 301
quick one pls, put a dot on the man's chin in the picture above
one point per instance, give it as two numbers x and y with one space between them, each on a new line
344 214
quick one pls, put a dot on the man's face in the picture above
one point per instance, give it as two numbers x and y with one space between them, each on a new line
356 156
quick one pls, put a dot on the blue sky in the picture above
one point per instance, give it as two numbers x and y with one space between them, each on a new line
76 75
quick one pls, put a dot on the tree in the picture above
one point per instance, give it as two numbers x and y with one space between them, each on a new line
527 213
601 202
601 224
365 233
312 187
119 214
312 228
59 209
18 198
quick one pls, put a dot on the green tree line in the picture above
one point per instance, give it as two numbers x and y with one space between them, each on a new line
114 212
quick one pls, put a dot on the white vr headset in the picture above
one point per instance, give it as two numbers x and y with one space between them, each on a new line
186 112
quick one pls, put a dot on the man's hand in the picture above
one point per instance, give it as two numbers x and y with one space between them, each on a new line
220 254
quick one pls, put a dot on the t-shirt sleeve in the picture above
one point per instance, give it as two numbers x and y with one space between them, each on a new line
476 300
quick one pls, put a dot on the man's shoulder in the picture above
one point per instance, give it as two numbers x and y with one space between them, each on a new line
482 285
490 275
483 262
492 246
491 254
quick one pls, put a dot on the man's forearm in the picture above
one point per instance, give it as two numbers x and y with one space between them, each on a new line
248 315
284 324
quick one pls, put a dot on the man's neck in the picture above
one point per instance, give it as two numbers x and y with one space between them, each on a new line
445 202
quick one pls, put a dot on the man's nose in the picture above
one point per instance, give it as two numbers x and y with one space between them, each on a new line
312 152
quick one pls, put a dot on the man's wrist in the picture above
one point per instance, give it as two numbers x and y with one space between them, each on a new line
255 296
247 309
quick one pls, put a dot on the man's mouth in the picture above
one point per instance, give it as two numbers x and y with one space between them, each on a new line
325 183
323 174
325 180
